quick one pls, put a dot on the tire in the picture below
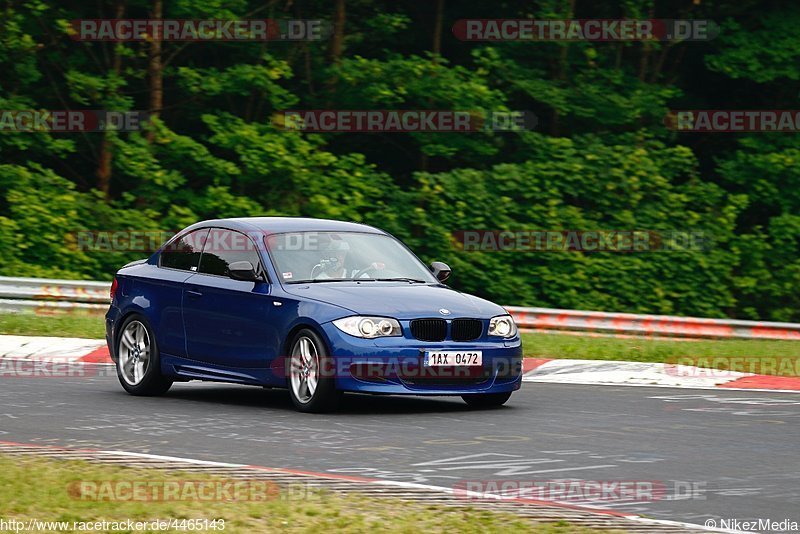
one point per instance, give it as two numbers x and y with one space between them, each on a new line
138 359
311 392
486 400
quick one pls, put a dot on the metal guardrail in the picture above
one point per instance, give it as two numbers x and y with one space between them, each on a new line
661 325
45 296
47 289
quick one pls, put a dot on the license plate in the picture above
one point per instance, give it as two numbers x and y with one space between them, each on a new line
441 358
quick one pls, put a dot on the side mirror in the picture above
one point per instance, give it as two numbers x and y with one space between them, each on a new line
243 270
440 270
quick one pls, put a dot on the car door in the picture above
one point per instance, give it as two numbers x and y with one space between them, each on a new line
163 292
229 322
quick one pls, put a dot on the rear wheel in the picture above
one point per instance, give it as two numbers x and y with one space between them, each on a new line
490 400
309 363
138 362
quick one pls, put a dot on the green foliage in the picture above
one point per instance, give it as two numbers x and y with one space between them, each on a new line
571 186
761 50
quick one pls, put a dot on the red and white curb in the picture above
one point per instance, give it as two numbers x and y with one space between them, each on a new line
619 373
586 372
57 349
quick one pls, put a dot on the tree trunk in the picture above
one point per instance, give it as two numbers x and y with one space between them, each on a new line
337 44
156 70
647 48
437 28
339 19
106 156
436 48
561 73
104 166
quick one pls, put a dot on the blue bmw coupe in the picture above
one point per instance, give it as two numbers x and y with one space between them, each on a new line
317 306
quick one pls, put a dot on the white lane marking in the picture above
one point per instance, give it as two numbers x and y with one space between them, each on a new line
516 471
511 464
468 456
728 400
173 459
488 464
684 525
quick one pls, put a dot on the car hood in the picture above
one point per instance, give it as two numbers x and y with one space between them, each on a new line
398 300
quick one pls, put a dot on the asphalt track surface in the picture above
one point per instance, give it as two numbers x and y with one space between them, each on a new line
738 449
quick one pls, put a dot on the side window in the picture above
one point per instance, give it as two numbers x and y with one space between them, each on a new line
224 247
184 253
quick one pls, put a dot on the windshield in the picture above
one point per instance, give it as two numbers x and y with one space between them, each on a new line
303 257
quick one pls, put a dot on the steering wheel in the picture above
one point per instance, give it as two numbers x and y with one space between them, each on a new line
375 266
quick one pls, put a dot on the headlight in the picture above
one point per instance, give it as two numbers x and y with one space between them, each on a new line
502 326
368 327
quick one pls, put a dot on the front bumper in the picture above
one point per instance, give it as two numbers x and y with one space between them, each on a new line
393 365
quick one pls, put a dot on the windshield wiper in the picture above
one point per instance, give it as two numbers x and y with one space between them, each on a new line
320 280
399 279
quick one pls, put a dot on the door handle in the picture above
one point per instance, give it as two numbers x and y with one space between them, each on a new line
193 294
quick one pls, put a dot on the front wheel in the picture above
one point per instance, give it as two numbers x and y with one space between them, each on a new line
309 363
486 400
138 362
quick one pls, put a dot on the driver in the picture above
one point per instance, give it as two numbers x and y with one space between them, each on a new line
334 265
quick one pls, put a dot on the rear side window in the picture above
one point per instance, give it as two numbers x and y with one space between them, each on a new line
184 253
224 247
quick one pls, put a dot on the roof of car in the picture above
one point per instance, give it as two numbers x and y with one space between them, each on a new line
288 224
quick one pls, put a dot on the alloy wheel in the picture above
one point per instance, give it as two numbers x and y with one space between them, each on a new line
304 369
134 353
